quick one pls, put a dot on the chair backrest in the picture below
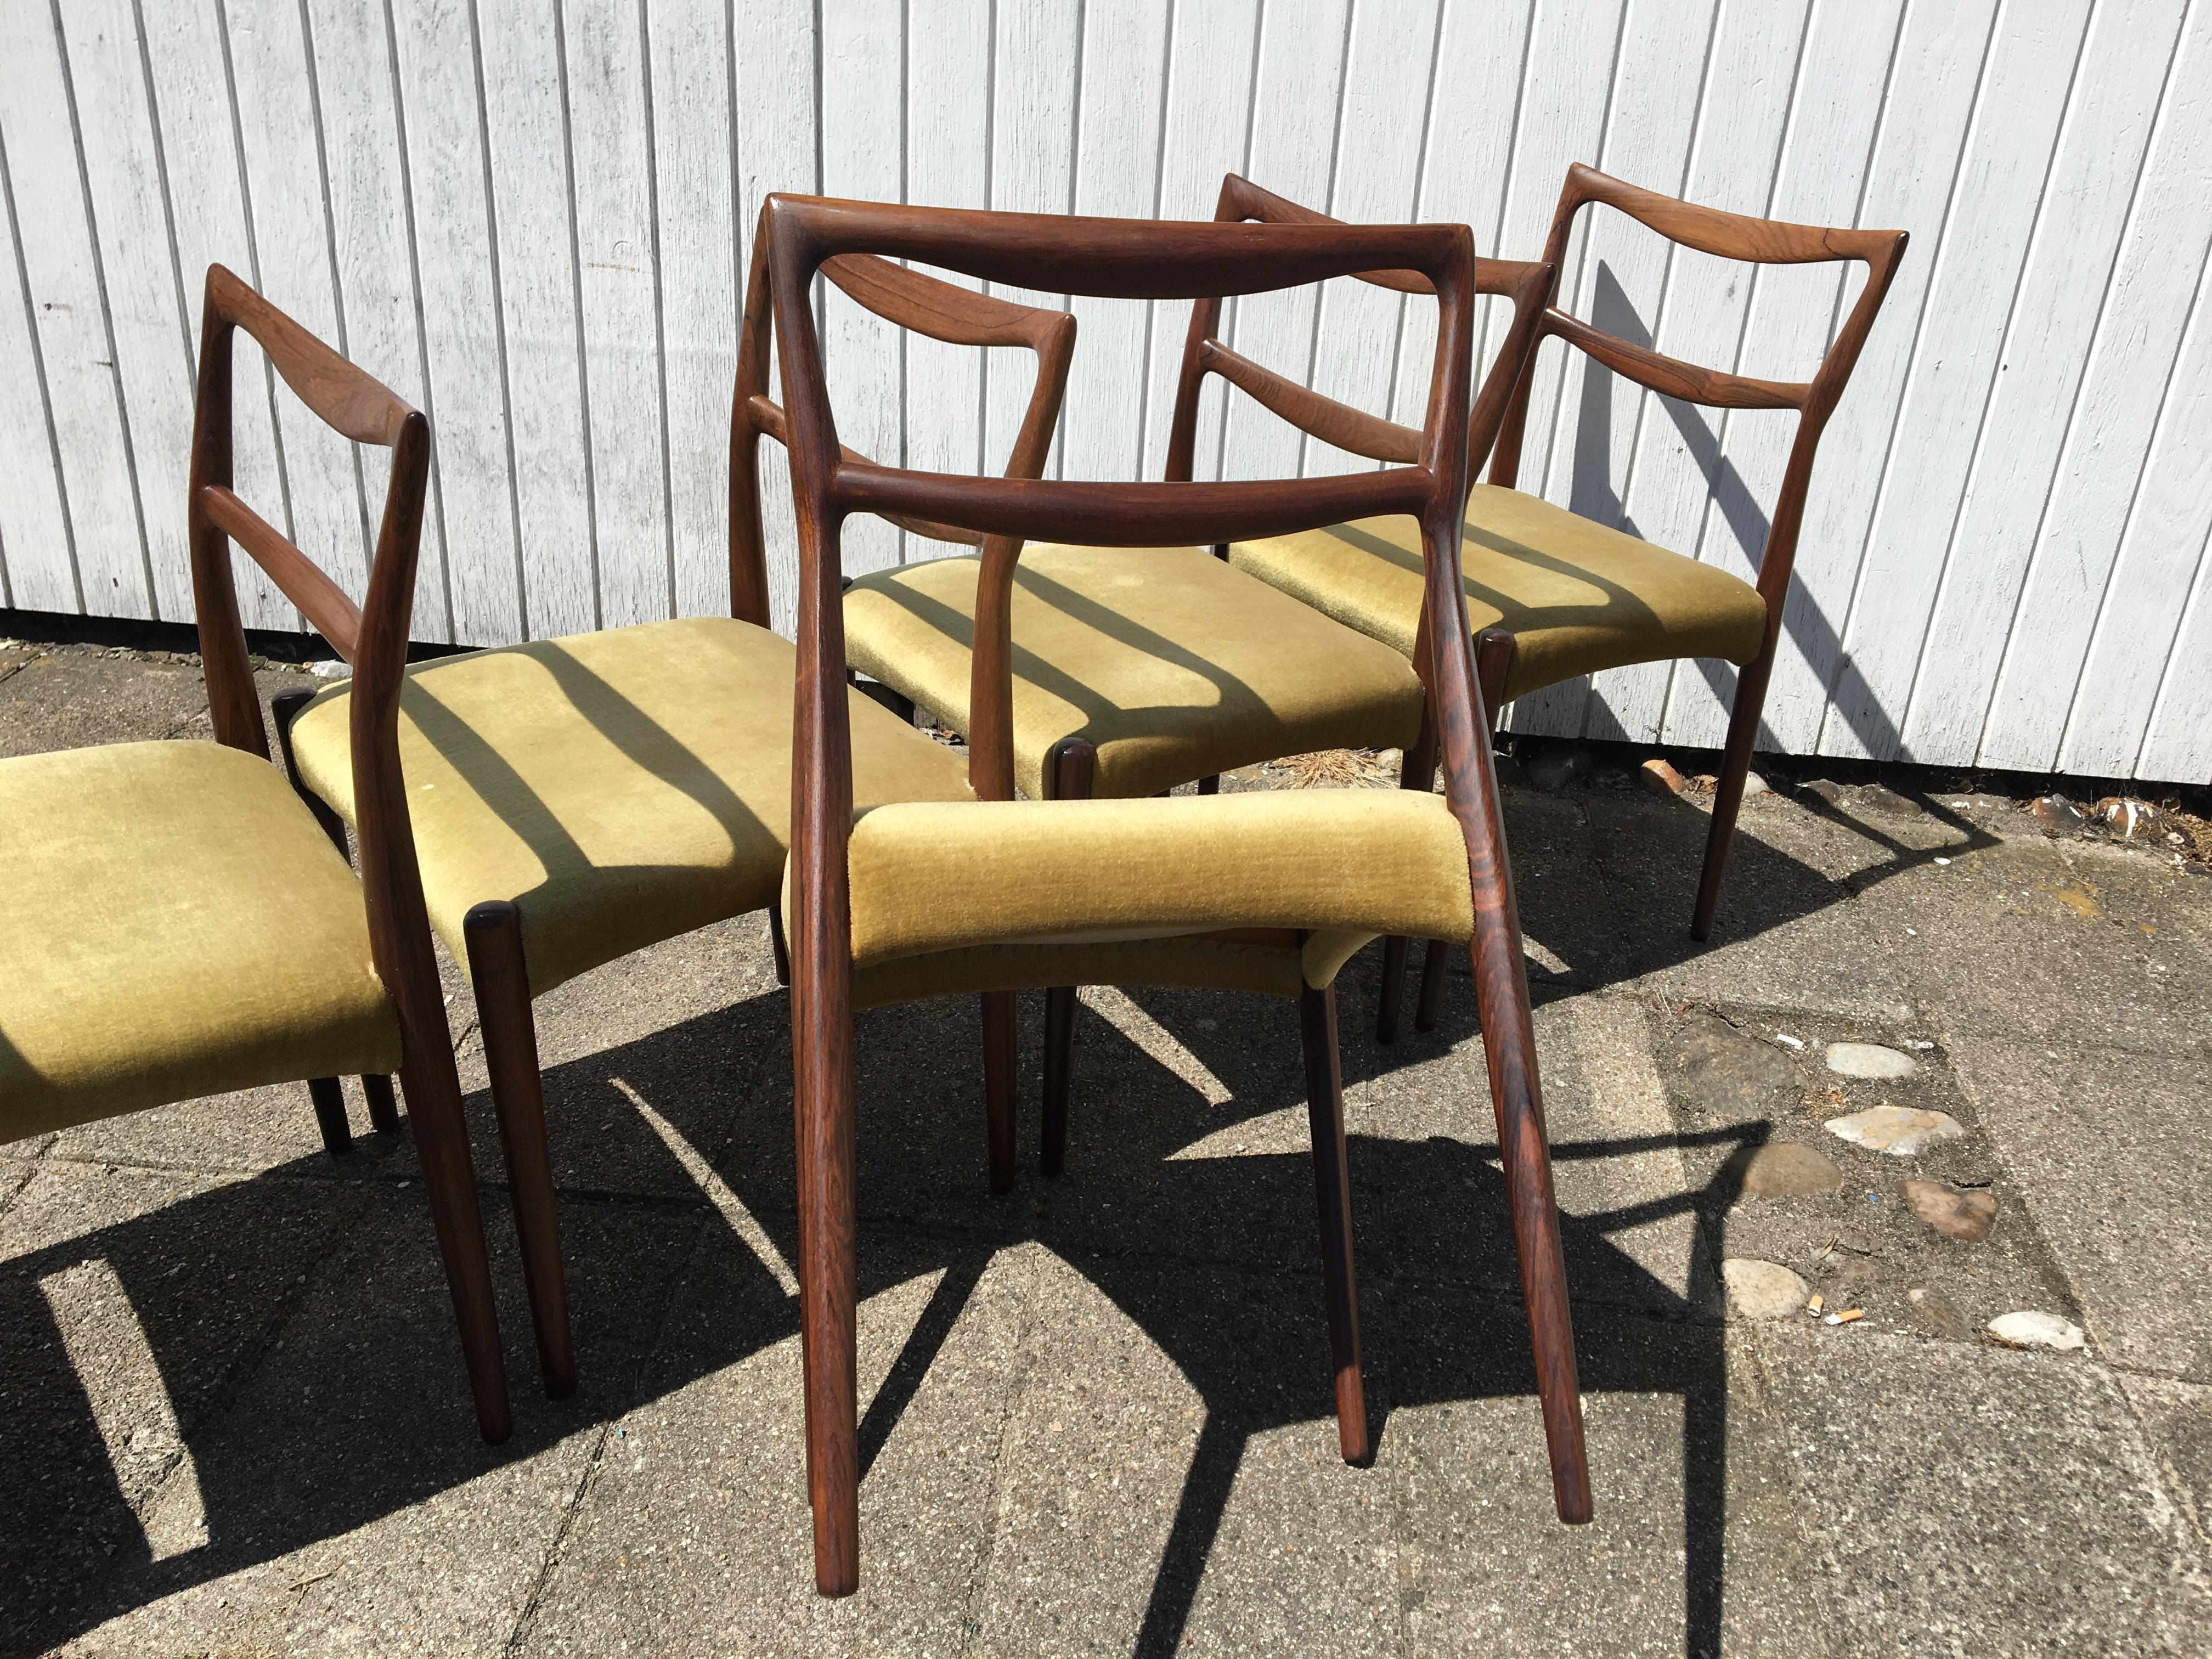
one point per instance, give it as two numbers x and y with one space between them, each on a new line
1110 259
372 636
958 316
1727 236
1526 284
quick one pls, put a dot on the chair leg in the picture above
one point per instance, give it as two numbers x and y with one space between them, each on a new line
1430 1008
999 1112
776 944
441 1142
497 968
1417 770
383 1110
330 1115
1728 788
1060 1059
1333 1192
822 1100
1069 771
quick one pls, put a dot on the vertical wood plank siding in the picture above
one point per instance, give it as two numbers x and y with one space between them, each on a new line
532 218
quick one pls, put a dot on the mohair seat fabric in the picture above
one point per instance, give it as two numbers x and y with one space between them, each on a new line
173 923
1173 664
1004 895
620 788
1577 596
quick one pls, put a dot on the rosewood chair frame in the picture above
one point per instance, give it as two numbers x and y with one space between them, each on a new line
1529 285
1755 241
373 638
956 316
1126 260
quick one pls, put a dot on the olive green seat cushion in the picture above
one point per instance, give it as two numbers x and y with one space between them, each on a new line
1172 664
620 788
1004 895
173 923
1577 596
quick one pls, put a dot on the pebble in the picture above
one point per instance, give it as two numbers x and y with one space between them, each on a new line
1753 785
2058 814
1896 1131
1785 1169
1827 789
336 669
1763 1289
1869 1060
1555 765
1730 1073
2128 817
1661 779
1880 797
1953 1211
2034 1330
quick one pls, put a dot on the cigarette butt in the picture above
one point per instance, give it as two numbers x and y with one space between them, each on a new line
1813 1306
1846 1316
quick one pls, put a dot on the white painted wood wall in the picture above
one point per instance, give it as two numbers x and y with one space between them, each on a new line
529 218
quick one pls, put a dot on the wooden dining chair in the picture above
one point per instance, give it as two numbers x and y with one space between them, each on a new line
1131 673
575 799
179 924
1268 890
1558 595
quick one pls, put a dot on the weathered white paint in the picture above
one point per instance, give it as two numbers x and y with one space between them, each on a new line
533 218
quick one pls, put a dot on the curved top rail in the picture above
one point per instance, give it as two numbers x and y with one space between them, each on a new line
1114 258
347 398
1725 235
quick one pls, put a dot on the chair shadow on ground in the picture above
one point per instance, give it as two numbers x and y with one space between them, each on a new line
298 1320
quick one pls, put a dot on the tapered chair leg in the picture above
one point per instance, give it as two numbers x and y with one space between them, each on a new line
1069 770
1509 1041
822 1100
330 1115
383 1109
999 1114
1430 1008
782 951
1059 1058
1417 770
1727 787
1333 1193
497 968
441 1142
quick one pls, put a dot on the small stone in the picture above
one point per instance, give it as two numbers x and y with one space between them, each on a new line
1763 1289
1953 1211
1869 1060
1878 797
2037 1330
1784 1170
2127 817
1939 1310
1753 785
1825 789
2058 814
1661 779
336 669
1555 765
1896 1131
1731 1074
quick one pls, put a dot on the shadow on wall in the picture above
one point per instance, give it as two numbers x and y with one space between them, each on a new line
296 1322
1592 493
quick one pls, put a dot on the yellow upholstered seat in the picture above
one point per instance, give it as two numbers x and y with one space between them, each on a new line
173 923
1577 596
620 788
1172 664
1003 895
